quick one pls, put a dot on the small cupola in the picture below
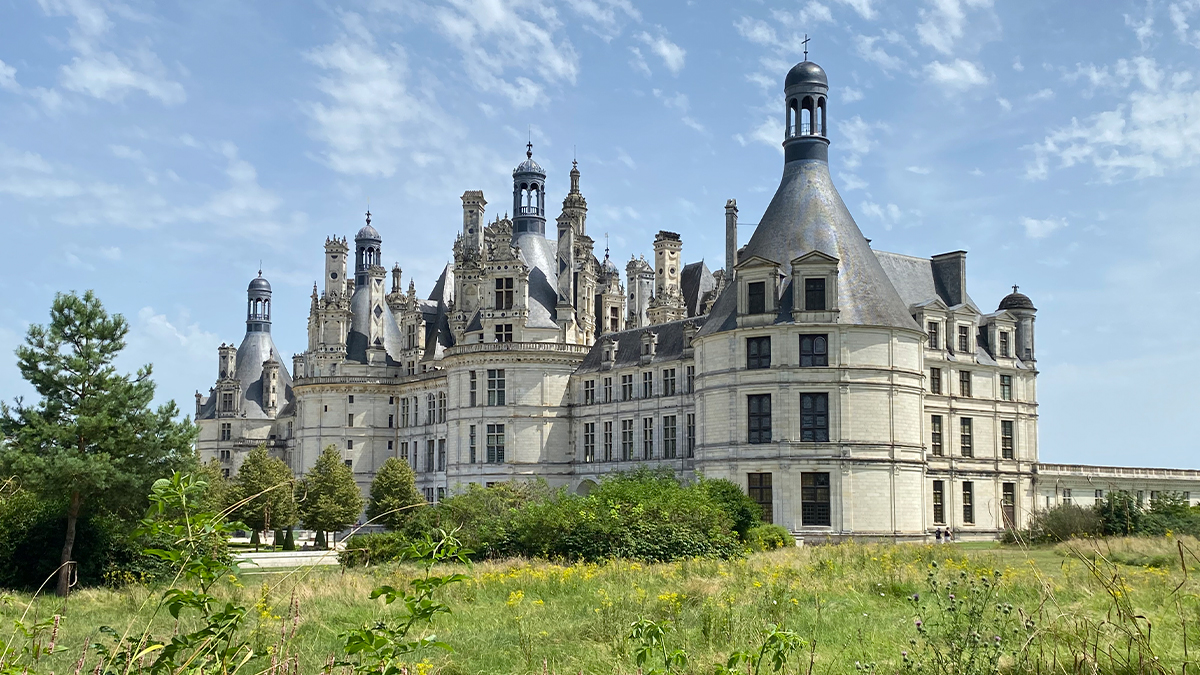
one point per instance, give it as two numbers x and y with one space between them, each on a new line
806 95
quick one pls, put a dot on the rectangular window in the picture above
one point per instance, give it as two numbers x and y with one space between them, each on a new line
935 435
226 455
668 382
428 495
227 401
350 444
965 441
391 400
430 409
441 493
1008 504
1099 495
1006 388
608 442
441 407
226 431
349 463
404 451
1006 439
441 458
589 441
608 390
410 336
495 386
627 387
756 297
589 392
404 412
964 339
814 498
495 443
814 351
964 383
430 449
350 398
758 353
691 379
968 502
814 294
1066 495
504 293
758 486
814 418
472 443
416 410
473 390
350 420
935 380
626 440
1004 349
669 440
647 438
647 384
939 502
931 327
391 421
504 332
690 435
758 411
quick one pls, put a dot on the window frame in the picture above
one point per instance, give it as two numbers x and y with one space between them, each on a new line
495 444
964 383
933 333
756 297
815 423
758 358
812 287
670 437
968 502
760 490
589 442
937 446
647 438
756 431
496 387
812 485
966 437
817 353
935 380
1006 388
939 502
1007 439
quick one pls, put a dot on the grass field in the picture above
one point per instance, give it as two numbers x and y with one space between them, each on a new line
852 604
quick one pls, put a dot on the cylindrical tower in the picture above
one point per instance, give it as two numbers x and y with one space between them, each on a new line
258 305
529 196
806 91
367 252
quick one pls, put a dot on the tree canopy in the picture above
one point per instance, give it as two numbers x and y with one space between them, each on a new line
328 498
266 483
394 489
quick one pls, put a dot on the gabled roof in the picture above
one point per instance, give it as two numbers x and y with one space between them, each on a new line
696 283
629 345
913 279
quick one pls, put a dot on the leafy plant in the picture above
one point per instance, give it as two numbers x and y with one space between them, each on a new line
774 652
651 653
327 497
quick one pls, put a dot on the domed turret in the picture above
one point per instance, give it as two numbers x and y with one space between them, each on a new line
806 73
806 129
529 196
259 284
1016 300
368 252
1021 307
258 305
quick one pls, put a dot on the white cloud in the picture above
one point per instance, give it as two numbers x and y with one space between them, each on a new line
815 12
8 78
756 31
672 54
958 75
1143 29
863 7
1041 95
769 133
126 152
638 62
944 22
867 49
1017 65
1040 229
851 182
1004 103
889 215
606 15
919 170
850 95
624 158
1180 13
856 139
180 350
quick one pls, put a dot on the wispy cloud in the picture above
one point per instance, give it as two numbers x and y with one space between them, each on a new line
958 75
857 139
943 22
863 7
1041 228
869 49
672 55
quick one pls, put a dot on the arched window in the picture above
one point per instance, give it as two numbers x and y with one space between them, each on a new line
824 123
792 109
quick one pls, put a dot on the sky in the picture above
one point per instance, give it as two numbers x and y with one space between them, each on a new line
160 153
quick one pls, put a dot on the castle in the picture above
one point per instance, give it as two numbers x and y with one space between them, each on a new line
851 392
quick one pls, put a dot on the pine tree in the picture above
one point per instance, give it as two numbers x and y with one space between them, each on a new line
329 499
267 482
394 495
93 439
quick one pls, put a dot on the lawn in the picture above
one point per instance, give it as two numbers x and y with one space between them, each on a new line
852 604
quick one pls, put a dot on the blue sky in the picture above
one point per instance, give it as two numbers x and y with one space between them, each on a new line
157 152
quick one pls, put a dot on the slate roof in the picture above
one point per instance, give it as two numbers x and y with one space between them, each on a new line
914 280
541 255
629 345
256 348
696 282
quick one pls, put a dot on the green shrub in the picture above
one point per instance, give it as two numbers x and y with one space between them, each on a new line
1062 523
768 537
1120 514
373 549
745 512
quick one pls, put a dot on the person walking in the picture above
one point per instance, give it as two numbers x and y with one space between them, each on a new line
948 537
937 535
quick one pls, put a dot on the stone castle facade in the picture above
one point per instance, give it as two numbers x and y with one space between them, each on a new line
851 392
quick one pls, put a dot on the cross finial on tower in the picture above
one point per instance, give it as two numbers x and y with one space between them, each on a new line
260 267
368 215
606 246
529 150
805 43
1015 287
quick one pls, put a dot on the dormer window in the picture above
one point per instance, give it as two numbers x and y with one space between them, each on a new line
935 334
964 339
1004 346
504 293
814 294
756 297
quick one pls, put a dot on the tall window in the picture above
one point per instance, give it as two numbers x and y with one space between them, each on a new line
441 417
1066 495
589 441
968 502
668 382
647 437
614 320
495 386
669 439
350 419
504 332
350 398
935 334
814 418
1008 504
814 294
441 457
814 351
391 421
608 442
226 431
647 384
430 449
758 486
691 379
350 444
935 435
410 336
756 297
404 452
430 409
964 383
935 380
964 339
627 387
227 401
589 392
1006 439
472 398
759 418
404 412
504 293
1006 388
758 353
626 440
939 502
416 411
495 443
473 443
690 435
1004 349
608 390
965 441
814 498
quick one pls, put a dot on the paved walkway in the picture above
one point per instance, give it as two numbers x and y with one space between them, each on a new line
251 561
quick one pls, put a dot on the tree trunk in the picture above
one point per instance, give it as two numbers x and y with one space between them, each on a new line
64 570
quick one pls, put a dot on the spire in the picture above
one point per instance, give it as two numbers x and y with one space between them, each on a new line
574 177
805 43
368 216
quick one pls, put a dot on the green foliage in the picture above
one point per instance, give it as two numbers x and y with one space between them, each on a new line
264 488
768 537
744 512
1170 512
1120 514
327 497
368 549
774 652
650 652
219 492
394 495
92 441
1063 523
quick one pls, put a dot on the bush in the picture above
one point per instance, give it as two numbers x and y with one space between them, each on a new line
745 512
768 537
373 549
1062 523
